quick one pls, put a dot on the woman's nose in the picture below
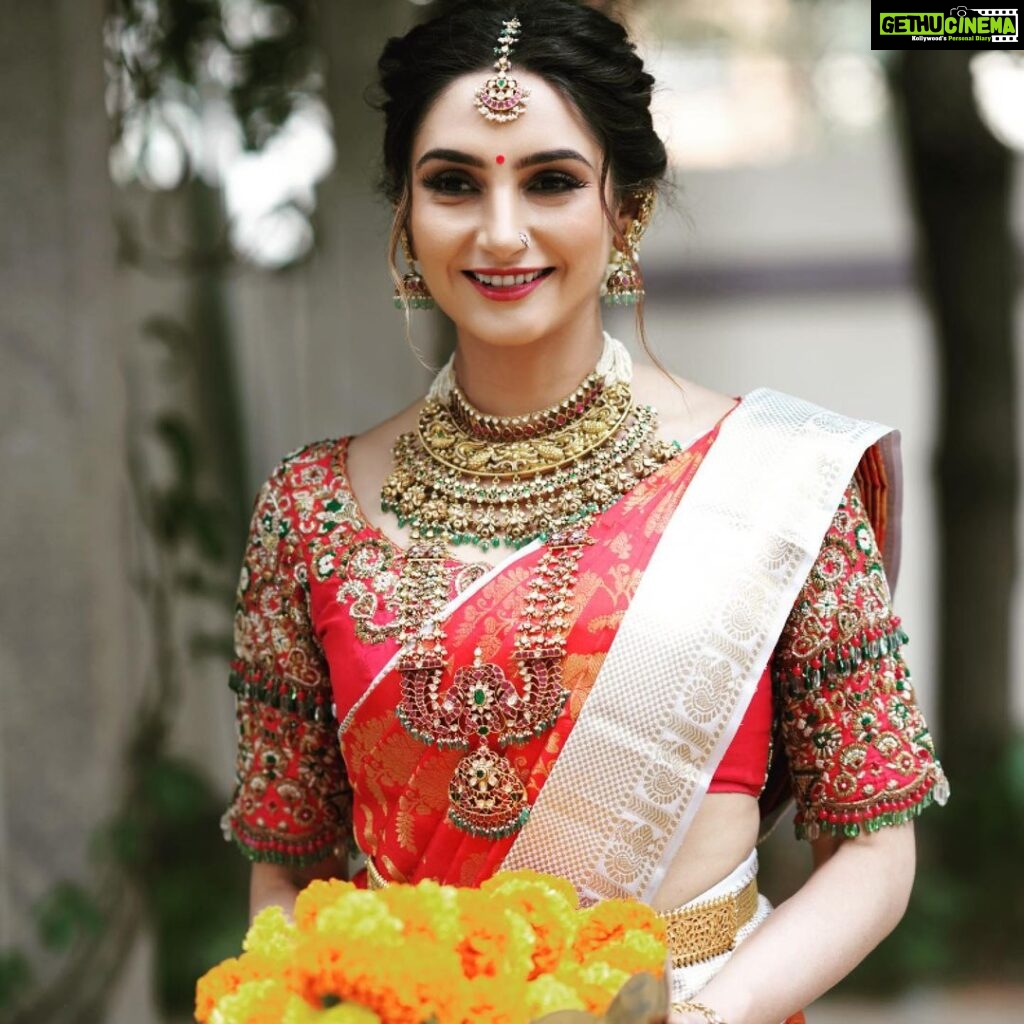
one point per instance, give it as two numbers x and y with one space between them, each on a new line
502 226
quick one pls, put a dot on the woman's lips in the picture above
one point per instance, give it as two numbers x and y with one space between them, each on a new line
491 283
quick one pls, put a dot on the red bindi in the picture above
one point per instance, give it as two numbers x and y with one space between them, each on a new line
500 158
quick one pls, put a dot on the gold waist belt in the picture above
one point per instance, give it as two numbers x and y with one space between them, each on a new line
708 929
694 933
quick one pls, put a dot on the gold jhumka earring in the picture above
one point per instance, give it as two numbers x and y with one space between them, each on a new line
624 285
413 292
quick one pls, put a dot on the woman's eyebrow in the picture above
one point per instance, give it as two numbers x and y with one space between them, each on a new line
548 156
454 156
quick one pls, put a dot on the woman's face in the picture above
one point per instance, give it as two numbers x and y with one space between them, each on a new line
477 186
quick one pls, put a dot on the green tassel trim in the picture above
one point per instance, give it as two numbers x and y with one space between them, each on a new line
489 833
251 683
937 793
841 660
301 856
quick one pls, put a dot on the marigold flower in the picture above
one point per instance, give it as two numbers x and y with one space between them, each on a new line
549 909
360 915
271 934
261 1001
548 995
226 978
494 939
515 949
317 895
609 921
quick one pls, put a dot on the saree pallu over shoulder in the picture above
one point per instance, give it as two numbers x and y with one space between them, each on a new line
699 631
402 800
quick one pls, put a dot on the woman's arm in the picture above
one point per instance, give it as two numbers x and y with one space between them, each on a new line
856 895
278 884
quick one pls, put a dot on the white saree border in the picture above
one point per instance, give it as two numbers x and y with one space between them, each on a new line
688 653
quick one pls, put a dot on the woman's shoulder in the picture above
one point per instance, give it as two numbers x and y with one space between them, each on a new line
685 408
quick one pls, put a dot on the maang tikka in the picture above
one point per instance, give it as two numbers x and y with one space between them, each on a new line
624 285
412 292
501 98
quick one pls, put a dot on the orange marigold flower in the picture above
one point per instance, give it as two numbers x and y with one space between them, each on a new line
635 953
610 920
549 906
495 1000
494 939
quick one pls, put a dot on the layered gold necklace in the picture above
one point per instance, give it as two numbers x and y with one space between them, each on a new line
470 478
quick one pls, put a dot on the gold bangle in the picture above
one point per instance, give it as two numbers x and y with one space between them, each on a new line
711 1016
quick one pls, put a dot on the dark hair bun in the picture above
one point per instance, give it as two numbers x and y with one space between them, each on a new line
581 52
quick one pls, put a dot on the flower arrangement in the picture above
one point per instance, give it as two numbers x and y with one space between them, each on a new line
512 951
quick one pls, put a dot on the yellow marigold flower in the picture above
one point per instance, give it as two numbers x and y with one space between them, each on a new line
524 878
595 983
271 934
359 915
298 1011
425 909
317 895
547 995
225 979
348 1013
261 1001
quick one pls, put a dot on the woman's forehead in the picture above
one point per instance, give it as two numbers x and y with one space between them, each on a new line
550 121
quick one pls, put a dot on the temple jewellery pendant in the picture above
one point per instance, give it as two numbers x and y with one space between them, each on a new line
482 710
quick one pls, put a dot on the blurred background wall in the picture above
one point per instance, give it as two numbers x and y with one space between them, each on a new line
194 283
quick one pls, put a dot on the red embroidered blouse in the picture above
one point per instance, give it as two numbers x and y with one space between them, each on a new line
836 694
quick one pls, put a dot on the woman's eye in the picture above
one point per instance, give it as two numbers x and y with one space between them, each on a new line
555 181
450 183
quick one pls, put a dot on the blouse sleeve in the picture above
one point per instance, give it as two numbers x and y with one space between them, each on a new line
292 801
858 748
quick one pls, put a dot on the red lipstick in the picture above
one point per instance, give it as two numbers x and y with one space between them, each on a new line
507 292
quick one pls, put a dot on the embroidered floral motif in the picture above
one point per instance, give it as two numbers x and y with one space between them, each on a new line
860 753
292 803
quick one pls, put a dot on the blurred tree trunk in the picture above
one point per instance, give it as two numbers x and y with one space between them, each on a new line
959 180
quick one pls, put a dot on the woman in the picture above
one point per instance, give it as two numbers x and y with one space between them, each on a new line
565 612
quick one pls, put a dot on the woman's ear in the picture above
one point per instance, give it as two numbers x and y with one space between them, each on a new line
625 214
632 217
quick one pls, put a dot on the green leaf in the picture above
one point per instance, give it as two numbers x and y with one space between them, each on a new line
15 977
65 914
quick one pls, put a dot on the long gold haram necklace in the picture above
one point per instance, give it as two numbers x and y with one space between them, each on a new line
465 477
481 712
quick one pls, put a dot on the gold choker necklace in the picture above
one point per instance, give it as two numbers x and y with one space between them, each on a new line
469 478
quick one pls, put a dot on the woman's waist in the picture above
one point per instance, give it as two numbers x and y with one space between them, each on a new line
720 838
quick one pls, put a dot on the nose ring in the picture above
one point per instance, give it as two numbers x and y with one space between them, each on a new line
525 239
